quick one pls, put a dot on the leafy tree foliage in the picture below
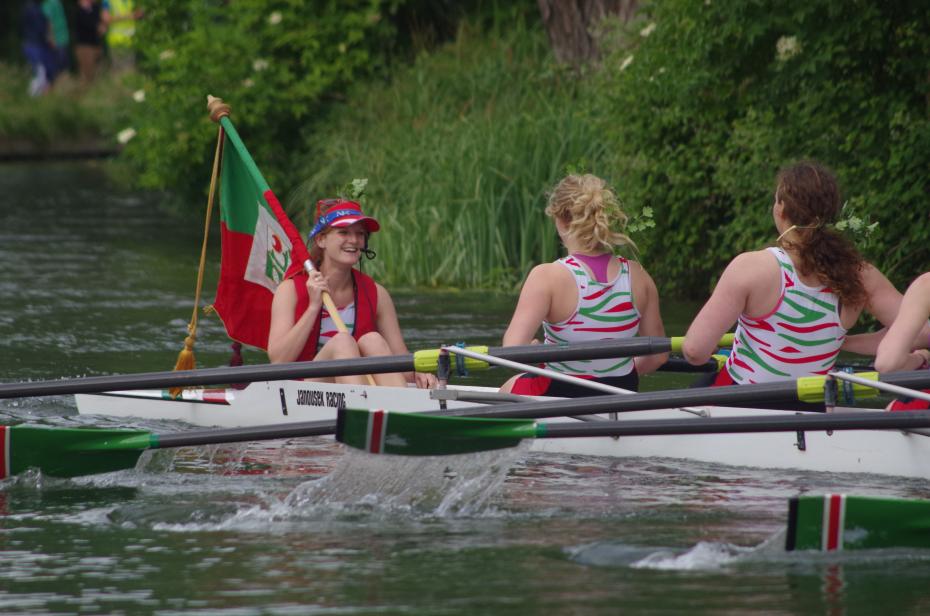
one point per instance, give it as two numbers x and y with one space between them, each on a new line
704 101
277 63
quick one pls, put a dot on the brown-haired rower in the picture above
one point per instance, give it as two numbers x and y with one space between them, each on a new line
793 303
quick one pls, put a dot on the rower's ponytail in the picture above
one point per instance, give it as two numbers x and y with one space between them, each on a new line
592 211
811 198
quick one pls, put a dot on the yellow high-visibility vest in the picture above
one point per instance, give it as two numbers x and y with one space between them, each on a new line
120 32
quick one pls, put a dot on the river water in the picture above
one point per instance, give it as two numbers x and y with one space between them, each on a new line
95 281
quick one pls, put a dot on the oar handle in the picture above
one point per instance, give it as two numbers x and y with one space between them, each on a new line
677 342
334 312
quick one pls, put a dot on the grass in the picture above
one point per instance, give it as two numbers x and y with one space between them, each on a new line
67 113
459 149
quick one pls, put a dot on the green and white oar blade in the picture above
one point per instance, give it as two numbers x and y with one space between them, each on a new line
414 434
841 522
69 452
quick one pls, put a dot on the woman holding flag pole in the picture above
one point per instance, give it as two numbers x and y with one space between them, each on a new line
302 329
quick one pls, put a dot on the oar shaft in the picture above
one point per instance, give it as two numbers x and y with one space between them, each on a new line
733 425
315 369
886 387
738 395
238 435
552 374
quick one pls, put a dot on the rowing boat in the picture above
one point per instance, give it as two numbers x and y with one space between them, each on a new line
885 452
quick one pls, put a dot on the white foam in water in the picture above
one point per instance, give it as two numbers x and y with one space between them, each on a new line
439 485
703 556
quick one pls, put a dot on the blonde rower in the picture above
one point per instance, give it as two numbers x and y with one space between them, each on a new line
590 294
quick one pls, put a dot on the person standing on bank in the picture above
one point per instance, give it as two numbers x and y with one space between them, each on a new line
302 329
793 303
89 29
589 295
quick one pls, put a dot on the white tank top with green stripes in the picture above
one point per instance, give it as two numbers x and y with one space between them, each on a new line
605 311
801 336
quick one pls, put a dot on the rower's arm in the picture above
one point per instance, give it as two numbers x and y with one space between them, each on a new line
723 308
908 331
646 299
532 307
287 338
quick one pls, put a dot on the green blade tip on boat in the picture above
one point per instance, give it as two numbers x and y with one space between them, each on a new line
411 434
835 522
70 452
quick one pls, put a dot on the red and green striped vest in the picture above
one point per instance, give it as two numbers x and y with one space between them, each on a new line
801 337
605 312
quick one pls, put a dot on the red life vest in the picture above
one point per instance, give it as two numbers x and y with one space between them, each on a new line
366 309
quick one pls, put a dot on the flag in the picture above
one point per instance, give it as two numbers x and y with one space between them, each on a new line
259 244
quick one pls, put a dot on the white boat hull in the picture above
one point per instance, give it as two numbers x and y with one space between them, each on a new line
884 452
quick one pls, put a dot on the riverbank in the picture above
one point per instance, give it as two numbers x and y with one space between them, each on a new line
68 122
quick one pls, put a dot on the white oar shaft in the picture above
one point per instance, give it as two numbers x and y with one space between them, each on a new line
552 374
892 389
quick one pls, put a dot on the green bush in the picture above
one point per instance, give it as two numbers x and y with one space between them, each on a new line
702 102
277 64
459 150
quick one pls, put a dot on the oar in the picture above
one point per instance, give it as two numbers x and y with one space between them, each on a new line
421 361
552 374
418 434
71 452
886 387
840 522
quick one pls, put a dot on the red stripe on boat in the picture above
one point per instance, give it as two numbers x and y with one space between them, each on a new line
4 452
216 396
806 329
375 430
834 505
740 363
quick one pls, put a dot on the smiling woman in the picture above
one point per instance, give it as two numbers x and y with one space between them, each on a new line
303 329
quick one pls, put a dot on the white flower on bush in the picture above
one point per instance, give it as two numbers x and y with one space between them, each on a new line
259 65
648 30
626 62
166 54
126 135
787 47
139 96
248 83
275 18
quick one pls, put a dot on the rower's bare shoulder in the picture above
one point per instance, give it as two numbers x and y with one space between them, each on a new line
750 269
545 274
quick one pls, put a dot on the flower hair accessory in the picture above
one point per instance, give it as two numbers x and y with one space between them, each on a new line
851 223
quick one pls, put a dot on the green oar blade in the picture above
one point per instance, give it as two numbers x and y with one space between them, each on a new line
415 434
840 522
69 452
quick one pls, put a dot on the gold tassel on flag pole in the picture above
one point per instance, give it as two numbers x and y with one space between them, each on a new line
186 356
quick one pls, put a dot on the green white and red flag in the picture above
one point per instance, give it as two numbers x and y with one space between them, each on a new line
259 244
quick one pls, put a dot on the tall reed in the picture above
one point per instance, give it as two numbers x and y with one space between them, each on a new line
459 149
